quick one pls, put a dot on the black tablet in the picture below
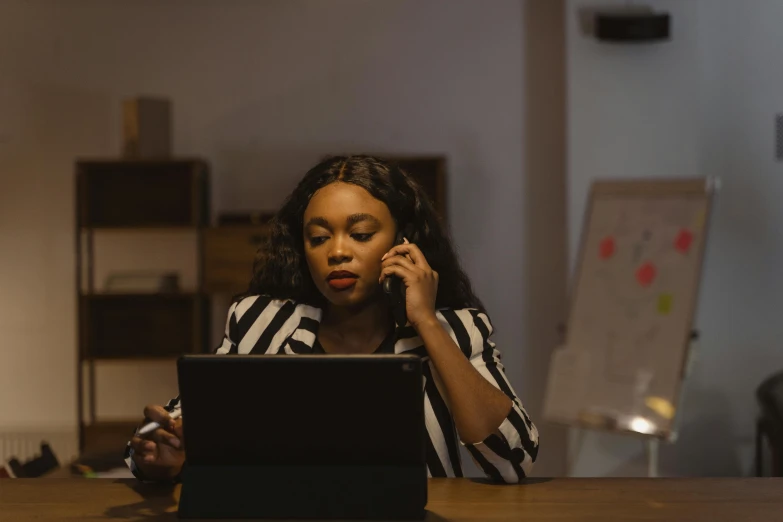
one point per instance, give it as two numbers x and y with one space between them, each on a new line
305 429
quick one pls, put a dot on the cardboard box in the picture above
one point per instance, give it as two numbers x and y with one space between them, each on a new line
146 128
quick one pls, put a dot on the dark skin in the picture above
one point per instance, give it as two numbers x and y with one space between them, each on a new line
346 229
160 454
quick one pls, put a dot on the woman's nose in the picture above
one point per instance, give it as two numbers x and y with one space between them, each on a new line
340 251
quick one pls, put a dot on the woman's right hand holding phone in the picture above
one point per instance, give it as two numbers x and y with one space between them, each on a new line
160 454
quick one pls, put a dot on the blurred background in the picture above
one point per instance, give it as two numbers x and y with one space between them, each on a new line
506 109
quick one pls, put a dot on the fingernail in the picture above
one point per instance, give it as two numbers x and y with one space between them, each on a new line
405 239
384 256
174 442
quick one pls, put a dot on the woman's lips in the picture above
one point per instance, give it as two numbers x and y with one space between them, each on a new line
342 283
342 279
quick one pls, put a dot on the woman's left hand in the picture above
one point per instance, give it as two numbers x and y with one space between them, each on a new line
408 263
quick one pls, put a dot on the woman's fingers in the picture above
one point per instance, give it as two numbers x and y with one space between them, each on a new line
410 250
158 451
144 450
408 275
162 436
142 446
162 447
159 414
403 261
414 271
176 428
402 268
156 413
403 273
408 256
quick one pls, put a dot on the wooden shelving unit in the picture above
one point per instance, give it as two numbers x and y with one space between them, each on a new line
115 196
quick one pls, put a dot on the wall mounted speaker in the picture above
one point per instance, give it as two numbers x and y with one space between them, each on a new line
632 26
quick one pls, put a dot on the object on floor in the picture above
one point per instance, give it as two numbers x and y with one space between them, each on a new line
35 467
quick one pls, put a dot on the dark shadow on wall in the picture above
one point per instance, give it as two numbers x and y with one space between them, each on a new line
707 444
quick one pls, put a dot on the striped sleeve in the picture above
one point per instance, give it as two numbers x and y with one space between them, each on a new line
508 454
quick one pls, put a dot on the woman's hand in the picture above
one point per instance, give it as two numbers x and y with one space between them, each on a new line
160 454
408 263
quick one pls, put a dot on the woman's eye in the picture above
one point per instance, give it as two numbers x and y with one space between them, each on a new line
318 240
362 237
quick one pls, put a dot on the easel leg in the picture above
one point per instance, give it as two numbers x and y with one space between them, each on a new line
652 457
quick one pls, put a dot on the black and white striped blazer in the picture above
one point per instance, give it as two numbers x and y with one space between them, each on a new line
262 325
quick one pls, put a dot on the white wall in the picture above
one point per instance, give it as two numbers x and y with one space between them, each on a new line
701 104
743 292
262 89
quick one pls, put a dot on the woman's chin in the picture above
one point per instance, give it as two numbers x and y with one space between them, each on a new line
343 297
348 298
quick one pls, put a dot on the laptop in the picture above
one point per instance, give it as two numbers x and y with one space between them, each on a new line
305 436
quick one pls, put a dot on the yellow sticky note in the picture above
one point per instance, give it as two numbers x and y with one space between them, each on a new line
660 406
665 304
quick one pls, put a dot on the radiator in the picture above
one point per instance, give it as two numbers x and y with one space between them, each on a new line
26 444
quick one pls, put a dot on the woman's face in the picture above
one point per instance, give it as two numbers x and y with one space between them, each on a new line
346 233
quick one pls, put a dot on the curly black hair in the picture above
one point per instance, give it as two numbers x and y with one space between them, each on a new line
280 269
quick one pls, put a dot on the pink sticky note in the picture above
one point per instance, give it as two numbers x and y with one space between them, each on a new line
645 275
683 241
606 248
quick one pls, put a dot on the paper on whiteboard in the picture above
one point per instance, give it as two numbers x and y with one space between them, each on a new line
567 385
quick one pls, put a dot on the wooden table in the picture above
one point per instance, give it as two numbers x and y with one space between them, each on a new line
604 500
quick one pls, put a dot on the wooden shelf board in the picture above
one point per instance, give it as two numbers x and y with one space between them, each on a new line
144 295
140 358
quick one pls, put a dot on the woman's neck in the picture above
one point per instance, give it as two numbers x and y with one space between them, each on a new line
355 330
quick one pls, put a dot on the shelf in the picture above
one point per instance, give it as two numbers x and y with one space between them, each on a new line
134 194
111 161
137 196
134 358
130 326
144 228
144 295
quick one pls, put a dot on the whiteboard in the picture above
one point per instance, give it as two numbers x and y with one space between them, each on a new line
632 307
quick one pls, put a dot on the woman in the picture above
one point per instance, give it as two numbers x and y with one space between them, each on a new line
317 288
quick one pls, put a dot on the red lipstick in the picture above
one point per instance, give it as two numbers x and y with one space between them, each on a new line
341 279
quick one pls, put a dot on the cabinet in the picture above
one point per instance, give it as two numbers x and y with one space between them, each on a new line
229 252
144 196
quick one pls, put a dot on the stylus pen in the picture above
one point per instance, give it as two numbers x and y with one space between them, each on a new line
152 426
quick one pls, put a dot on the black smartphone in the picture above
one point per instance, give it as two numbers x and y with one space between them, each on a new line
393 285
